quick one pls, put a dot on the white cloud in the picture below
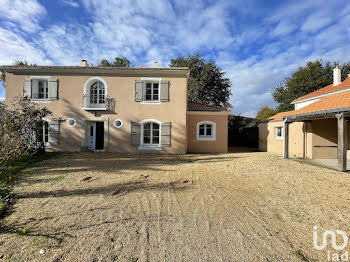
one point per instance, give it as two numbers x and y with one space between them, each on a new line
15 47
25 13
71 3
257 48
2 98
316 21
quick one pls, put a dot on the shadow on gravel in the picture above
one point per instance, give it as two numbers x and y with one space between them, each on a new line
110 190
113 163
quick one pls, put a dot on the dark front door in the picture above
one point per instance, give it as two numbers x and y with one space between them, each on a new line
99 135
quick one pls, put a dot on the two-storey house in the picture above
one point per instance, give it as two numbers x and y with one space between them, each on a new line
127 110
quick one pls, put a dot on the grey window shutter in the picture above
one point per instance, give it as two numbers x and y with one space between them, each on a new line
27 87
164 90
138 90
135 133
166 134
53 89
54 132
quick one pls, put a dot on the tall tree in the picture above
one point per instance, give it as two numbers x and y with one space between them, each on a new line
265 112
118 62
207 83
313 76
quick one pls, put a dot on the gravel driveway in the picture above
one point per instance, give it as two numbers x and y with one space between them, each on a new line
226 207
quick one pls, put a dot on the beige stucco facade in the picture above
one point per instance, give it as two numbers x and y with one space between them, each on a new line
316 139
219 145
120 86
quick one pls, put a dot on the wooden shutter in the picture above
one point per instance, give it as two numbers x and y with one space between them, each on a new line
166 134
27 87
135 133
54 132
138 90
164 90
53 89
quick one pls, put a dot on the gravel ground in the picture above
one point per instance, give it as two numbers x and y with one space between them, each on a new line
226 207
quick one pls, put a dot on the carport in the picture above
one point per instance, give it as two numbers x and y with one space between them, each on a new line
330 126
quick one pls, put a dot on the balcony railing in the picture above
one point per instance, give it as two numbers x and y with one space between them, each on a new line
98 102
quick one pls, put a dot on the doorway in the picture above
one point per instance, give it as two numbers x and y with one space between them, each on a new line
96 136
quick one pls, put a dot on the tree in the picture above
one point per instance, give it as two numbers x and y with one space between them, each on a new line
313 76
118 62
265 112
16 63
20 126
206 83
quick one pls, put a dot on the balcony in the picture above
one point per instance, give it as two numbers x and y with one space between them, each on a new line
98 103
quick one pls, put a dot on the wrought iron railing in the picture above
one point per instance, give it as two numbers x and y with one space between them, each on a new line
98 102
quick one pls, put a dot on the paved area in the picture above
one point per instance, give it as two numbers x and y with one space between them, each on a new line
328 163
227 207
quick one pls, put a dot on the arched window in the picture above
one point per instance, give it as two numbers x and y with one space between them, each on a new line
151 134
97 93
206 130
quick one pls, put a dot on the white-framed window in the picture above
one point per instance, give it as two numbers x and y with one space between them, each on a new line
279 133
151 91
43 133
151 88
95 93
40 87
206 130
118 123
71 122
43 89
150 135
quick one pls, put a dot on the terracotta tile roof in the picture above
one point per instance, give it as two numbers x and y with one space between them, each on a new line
328 89
194 106
279 116
327 103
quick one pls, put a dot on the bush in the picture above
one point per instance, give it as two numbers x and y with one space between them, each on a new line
9 176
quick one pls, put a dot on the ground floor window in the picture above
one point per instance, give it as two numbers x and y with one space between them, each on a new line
151 134
206 130
43 133
279 133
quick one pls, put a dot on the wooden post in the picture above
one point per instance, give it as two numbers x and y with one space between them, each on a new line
342 143
286 140
304 139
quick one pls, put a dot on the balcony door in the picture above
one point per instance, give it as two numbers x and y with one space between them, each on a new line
97 96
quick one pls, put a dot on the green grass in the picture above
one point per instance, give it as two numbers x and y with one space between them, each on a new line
10 174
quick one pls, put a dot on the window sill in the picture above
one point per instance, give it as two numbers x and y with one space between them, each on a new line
279 138
143 147
206 138
93 109
151 102
40 100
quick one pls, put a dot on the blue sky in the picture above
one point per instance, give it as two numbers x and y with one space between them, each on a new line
258 43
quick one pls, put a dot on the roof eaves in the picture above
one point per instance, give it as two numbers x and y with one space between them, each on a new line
331 111
320 96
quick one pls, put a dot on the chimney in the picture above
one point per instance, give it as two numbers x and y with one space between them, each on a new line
156 64
336 75
83 63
